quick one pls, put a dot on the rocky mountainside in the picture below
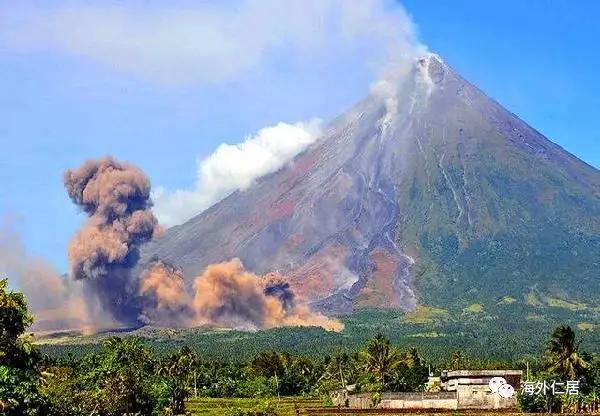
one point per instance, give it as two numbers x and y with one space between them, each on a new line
434 195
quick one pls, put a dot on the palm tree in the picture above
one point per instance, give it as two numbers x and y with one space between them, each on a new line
340 368
458 360
268 364
177 370
413 358
563 354
381 359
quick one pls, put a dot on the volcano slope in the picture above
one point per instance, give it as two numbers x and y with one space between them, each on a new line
431 195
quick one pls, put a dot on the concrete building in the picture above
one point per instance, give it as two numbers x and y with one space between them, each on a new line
391 400
459 390
473 390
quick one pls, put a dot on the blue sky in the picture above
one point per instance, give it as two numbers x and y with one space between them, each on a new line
65 99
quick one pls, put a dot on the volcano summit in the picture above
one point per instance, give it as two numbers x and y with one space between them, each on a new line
429 194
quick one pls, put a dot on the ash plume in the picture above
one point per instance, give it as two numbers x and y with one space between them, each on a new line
116 197
165 299
275 285
228 295
55 301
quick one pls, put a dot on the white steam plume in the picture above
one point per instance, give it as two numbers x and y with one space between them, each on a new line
208 42
234 167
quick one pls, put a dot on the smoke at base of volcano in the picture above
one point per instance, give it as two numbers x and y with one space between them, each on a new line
102 292
225 295
103 253
165 300
228 295
116 197
55 301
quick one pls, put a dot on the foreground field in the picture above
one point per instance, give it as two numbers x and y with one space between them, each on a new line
292 406
286 406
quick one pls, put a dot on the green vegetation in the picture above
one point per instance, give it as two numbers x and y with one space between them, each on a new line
271 372
519 226
586 326
533 300
381 360
504 333
561 303
285 406
564 356
507 300
474 308
426 315
19 362
564 361
124 377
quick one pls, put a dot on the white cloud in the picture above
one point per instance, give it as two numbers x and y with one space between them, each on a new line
207 42
235 166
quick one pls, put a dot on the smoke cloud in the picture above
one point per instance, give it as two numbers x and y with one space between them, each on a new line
116 197
165 298
55 301
228 295
225 295
275 285
235 166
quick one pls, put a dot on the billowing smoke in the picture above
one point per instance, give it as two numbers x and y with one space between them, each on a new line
55 301
275 285
116 197
228 295
165 298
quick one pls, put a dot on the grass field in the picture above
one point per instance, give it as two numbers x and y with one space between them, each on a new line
286 406
293 406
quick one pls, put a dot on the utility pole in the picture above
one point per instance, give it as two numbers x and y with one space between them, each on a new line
277 384
195 385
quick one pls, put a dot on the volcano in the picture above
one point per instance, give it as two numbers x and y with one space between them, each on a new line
432 194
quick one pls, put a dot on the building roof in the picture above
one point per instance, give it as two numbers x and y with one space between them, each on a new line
482 373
